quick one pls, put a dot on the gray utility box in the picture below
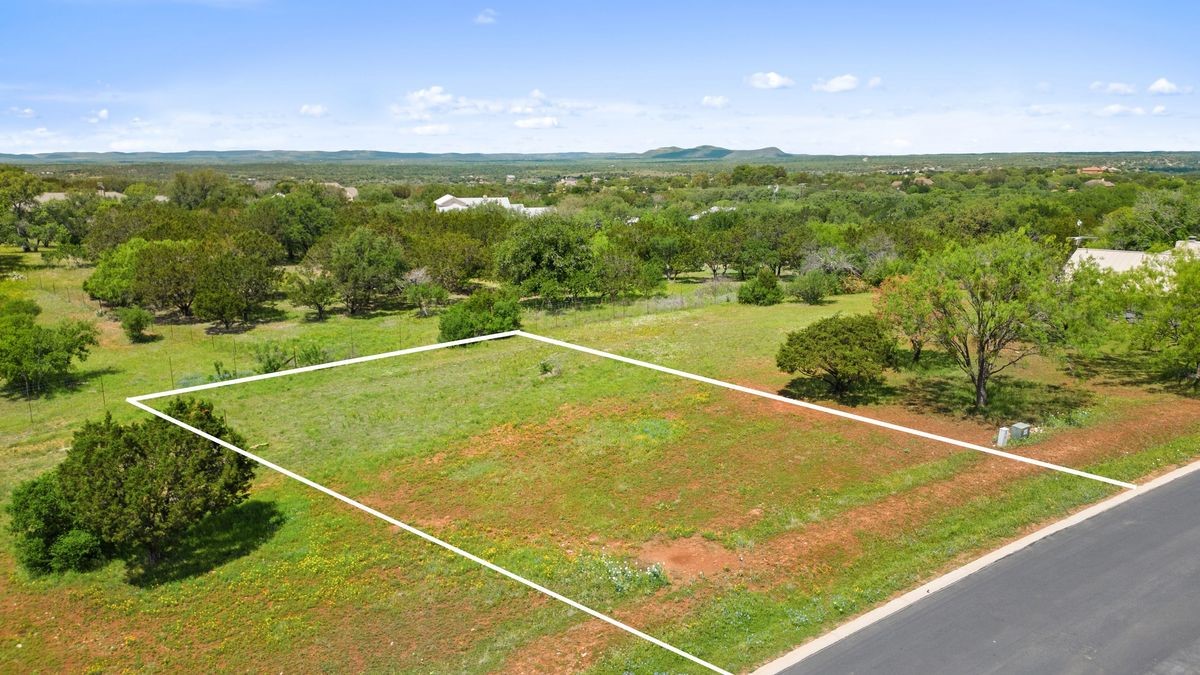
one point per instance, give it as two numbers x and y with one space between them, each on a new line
1019 430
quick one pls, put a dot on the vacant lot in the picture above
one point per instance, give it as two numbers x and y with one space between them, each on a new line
727 525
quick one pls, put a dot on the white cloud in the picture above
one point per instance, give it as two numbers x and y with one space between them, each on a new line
875 82
1120 88
1118 110
422 102
97 116
486 17
537 123
1164 86
1044 87
22 112
431 130
837 84
770 80
313 110
1159 110
714 101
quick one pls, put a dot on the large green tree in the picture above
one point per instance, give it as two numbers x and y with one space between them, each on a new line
113 280
1167 297
139 486
236 277
544 255
993 303
365 264
166 274
18 188
294 220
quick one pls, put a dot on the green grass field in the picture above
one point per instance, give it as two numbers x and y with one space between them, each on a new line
729 526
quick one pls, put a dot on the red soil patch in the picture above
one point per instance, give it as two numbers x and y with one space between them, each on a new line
687 559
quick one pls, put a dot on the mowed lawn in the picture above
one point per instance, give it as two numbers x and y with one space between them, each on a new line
728 525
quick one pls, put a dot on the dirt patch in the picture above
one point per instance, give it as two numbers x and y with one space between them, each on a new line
687 559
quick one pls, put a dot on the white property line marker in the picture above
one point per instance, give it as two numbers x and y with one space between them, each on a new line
138 402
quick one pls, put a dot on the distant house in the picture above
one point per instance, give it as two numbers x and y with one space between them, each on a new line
350 193
923 181
1123 261
711 209
47 197
1092 170
451 203
569 181
1098 182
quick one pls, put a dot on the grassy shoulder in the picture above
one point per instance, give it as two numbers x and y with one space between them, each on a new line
743 626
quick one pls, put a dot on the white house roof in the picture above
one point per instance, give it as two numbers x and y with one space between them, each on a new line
1123 261
1109 259
452 203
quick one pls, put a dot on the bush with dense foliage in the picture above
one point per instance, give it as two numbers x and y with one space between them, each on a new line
763 289
844 351
140 486
487 311
813 287
135 321
46 536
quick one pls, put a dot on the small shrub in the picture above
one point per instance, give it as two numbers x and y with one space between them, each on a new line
762 290
812 287
852 283
272 356
425 296
221 373
487 311
135 321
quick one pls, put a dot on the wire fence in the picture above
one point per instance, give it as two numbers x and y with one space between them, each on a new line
580 312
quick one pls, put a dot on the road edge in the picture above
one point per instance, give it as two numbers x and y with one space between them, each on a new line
917 594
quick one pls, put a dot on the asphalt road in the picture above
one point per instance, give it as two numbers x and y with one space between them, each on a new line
1117 593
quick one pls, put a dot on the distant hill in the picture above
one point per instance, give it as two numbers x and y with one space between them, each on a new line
671 155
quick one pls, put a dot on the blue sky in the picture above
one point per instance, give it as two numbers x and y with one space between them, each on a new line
496 76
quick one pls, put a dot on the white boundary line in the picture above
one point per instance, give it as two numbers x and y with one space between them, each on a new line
917 594
138 402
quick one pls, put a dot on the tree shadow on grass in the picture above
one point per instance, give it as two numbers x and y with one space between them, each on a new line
1009 399
12 262
816 389
1134 369
71 383
212 542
